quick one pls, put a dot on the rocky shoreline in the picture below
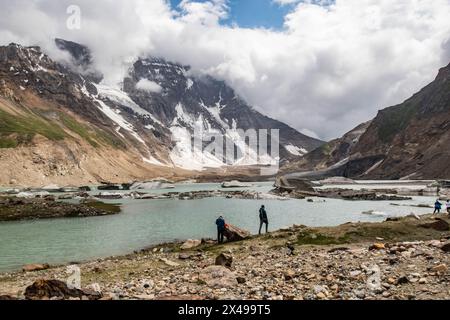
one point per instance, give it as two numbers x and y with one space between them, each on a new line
404 258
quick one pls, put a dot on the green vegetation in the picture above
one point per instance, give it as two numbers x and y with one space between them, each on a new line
7 143
395 120
24 128
76 127
92 136
305 238
326 149
366 232
109 207
109 139
16 130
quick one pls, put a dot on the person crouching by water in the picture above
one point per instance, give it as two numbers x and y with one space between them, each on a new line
437 207
263 219
220 222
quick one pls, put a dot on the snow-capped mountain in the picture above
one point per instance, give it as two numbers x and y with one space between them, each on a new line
183 102
150 119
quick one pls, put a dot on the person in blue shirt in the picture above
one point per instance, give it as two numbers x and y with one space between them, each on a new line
437 207
220 222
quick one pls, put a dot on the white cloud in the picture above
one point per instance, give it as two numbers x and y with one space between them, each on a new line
149 86
207 13
330 68
310 133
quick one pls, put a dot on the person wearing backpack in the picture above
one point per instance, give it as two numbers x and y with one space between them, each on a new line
220 222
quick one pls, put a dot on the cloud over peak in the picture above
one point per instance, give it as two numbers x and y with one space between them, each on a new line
332 66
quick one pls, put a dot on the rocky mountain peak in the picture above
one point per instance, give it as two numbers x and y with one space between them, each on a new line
81 59
153 115
407 141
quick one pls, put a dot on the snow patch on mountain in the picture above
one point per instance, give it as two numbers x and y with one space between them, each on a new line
296 151
119 120
185 155
189 84
215 113
121 98
152 160
183 118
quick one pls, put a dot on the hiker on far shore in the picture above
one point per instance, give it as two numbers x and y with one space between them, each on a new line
437 207
220 222
263 219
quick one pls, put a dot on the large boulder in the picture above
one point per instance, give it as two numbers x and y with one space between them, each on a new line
284 184
190 244
224 260
218 277
235 184
152 185
446 247
233 233
35 267
47 289
438 225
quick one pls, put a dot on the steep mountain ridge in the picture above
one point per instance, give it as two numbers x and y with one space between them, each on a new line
51 132
104 133
407 141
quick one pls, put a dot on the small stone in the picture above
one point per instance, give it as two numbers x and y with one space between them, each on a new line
289 275
225 260
402 280
442 268
144 297
423 281
319 289
436 243
241 280
169 263
355 274
377 246
321 295
446 247
360 294
330 278
149 284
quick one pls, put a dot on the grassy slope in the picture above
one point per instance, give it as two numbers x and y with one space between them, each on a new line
16 130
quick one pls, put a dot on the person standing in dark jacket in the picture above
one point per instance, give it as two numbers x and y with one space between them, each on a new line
220 229
263 219
437 207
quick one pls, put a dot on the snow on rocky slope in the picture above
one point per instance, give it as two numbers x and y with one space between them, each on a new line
157 111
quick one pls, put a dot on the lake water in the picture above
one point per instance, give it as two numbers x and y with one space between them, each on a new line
143 223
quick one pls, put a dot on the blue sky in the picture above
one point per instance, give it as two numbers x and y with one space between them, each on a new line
253 13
